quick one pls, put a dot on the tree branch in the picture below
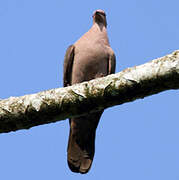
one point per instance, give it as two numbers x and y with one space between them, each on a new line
57 104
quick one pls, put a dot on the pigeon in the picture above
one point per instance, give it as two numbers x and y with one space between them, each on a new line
88 58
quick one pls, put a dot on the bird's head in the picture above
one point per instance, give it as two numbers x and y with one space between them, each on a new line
99 17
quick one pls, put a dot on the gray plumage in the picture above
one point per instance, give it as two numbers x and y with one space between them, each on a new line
89 58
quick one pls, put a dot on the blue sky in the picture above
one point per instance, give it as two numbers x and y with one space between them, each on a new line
137 140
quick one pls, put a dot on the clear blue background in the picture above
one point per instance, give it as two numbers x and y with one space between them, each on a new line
137 140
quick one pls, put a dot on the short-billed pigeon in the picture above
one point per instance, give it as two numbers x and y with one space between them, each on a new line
89 58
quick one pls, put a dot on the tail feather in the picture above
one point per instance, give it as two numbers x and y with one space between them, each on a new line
81 144
78 159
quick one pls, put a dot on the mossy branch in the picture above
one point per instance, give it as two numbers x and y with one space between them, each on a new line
58 104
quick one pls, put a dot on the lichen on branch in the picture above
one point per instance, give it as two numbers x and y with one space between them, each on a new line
58 104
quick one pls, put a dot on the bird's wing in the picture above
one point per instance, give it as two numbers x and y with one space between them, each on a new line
68 64
112 63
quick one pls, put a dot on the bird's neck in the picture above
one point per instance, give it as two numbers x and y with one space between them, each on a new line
100 25
102 32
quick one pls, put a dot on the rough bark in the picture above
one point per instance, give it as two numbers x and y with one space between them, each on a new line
58 104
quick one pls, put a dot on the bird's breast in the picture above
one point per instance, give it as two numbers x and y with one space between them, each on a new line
89 63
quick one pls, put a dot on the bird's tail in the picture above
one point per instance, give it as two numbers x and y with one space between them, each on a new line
81 144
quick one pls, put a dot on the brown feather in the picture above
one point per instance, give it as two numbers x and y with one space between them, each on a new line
89 58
